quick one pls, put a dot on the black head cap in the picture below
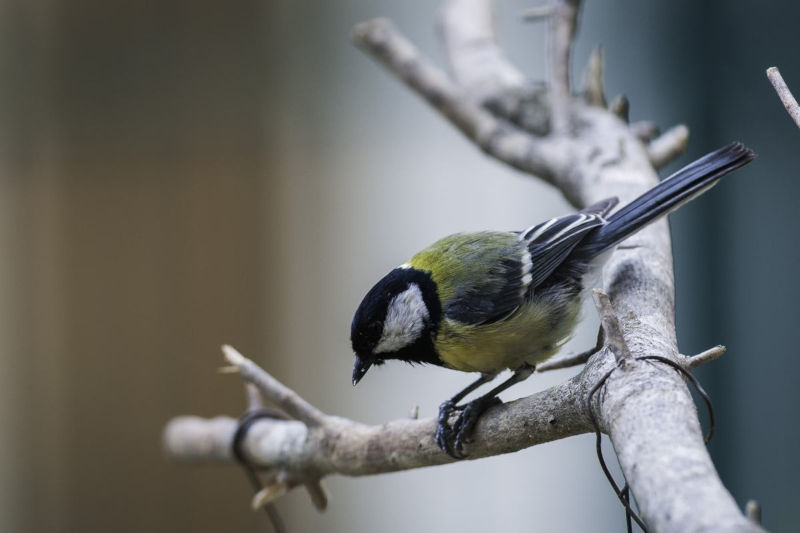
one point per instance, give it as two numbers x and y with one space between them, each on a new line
397 319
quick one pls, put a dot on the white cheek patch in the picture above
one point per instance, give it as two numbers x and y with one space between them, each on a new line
405 319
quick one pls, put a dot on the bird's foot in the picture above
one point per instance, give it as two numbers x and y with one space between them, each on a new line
451 439
465 424
445 437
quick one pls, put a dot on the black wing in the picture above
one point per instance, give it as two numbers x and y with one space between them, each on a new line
550 242
511 273
494 294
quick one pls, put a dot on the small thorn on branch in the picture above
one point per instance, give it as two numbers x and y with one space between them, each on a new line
318 494
611 327
269 494
668 145
788 100
753 512
593 91
621 107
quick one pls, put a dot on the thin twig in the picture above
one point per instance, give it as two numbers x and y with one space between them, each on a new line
272 389
576 359
562 24
668 145
784 94
620 106
565 362
693 361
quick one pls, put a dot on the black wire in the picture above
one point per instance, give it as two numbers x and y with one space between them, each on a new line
699 388
245 422
624 493
630 513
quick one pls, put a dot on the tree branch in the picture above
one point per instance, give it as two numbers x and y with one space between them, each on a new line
784 94
380 39
338 445
593 91
645 407
272 389
668 145
563 24
479 63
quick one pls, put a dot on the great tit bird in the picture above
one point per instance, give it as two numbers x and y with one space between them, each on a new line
495 300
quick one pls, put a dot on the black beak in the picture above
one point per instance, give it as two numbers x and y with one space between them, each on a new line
360 368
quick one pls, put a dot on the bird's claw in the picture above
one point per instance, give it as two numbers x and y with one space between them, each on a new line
444 432
452 438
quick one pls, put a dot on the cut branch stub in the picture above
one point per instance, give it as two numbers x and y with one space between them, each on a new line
788 100
593 91
611 327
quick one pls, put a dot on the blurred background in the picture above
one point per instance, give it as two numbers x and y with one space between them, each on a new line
177 175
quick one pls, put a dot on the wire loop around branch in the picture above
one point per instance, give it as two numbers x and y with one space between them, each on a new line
623 493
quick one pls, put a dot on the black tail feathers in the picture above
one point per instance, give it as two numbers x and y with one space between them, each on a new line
683 186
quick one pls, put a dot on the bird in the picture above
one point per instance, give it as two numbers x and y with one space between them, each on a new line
490 301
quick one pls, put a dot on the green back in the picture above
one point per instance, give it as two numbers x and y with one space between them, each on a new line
478 275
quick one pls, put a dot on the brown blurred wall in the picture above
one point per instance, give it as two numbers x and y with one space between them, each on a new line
132 236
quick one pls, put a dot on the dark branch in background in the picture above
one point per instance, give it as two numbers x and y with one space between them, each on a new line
589 153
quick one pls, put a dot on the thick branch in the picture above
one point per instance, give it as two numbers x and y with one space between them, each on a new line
342 446
479 63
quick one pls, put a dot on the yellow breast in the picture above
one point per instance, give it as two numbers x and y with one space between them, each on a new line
527 336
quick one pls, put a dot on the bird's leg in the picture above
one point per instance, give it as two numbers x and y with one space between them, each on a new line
473 410
444 433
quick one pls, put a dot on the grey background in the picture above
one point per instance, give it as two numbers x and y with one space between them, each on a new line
176 175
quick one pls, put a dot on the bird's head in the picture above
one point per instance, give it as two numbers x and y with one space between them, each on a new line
397 319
